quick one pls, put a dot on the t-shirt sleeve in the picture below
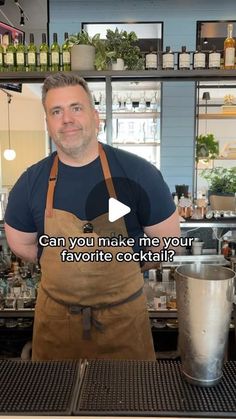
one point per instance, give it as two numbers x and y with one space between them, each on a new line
155 202
18 214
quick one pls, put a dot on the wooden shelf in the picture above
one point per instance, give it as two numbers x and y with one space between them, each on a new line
162 314
156 143
17 313
161 75
225 158
227 222
132 115
217 116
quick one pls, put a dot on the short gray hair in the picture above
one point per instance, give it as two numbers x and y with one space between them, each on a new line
62 80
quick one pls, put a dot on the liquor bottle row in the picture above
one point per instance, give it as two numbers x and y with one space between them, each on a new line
185 60
32 58
19 282
196 60
161 295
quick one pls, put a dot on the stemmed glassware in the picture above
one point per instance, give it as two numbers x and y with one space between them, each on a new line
142 103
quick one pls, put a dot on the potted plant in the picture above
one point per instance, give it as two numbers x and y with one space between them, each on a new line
222 187
83 50
122 50
207 147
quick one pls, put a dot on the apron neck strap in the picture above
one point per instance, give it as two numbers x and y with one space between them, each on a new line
53 179
51 187
106 172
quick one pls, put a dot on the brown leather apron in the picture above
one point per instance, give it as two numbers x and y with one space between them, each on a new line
89 309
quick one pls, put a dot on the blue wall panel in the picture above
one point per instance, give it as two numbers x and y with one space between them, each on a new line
180 19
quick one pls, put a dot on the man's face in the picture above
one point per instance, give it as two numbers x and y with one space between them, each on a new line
72 122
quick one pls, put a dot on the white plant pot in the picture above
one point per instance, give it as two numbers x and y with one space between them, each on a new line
118 64
82 57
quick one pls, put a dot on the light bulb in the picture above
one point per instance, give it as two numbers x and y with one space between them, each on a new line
9 154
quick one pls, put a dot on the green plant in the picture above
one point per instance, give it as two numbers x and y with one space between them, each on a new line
83 38
118 44
101 54
122 44
207 147
220 179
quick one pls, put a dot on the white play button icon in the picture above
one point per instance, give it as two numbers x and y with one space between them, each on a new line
116 209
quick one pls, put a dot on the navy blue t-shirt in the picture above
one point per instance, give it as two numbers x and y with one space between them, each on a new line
82 191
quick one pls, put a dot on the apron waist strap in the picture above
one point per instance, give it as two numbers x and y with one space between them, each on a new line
87 311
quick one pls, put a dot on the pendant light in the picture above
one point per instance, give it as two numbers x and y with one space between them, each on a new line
9 153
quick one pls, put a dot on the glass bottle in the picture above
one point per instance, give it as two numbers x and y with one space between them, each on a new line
17 284
3 262
229 48
1 58
160 296
168 59
199 59
149 292
129 104
153 103
55 54
115 103
151 60
43 54
184 59
66 57
10 54
142 103
3 285
20 54
31 288
32 54
214 58
36 277
14 263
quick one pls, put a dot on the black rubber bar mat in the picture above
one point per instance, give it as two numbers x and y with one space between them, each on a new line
146 388
38 388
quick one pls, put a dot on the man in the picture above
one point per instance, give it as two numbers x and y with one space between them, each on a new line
86 309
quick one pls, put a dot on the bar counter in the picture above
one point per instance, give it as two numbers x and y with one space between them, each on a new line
107 388
107 417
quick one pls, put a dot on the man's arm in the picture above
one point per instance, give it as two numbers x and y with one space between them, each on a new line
167 228
24 245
